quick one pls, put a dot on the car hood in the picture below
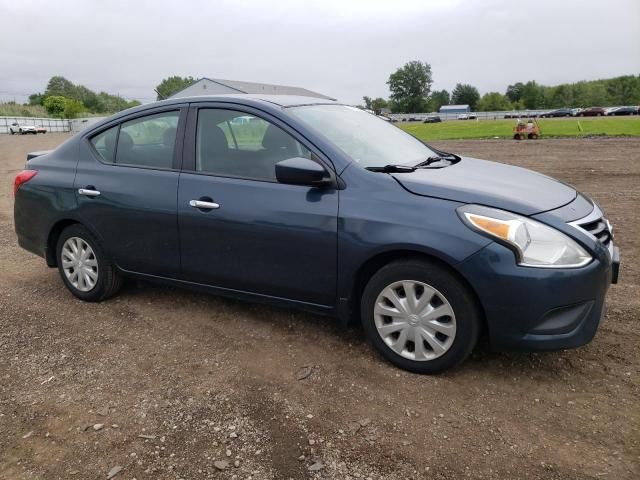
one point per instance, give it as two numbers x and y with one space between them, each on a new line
489 183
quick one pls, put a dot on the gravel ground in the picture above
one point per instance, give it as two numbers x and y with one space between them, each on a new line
168 384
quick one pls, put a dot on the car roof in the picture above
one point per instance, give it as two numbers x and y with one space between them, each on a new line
242 98
248 99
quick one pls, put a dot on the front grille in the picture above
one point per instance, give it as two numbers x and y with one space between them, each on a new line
599 228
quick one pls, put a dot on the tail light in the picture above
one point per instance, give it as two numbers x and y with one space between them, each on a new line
23 177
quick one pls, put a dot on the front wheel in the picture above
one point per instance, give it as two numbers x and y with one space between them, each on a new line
420 316
85 268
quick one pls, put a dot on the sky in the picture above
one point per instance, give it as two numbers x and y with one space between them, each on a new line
341 48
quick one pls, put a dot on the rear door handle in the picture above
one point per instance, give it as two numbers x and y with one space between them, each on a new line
88 192
204 205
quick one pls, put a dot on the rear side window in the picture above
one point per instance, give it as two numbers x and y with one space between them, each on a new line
148 141
105 144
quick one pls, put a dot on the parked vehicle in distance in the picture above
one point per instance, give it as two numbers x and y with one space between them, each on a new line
592 112
432 119
15 127
472 116
427 249
463 116
41 129
624 111
560 112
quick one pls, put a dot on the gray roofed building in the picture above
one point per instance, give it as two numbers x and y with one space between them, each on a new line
217 86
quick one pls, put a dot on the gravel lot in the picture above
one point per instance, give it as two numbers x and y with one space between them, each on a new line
168 384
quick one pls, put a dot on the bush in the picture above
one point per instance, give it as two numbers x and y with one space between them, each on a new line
72 108
55 105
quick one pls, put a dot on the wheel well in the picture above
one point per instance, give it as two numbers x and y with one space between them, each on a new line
371 266
52 240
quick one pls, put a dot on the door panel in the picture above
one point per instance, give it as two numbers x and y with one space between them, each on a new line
135 215
126 186
265 238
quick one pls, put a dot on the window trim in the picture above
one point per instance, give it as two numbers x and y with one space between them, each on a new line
182 110
190 144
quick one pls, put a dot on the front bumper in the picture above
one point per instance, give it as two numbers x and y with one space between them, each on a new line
534 309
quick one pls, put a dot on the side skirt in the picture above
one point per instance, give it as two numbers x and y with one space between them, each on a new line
236 294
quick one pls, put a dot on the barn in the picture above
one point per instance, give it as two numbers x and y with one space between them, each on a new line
217 86
455 109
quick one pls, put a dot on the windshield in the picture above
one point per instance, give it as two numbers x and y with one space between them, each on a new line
365 138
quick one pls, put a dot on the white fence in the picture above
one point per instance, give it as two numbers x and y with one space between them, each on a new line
419 117
51 124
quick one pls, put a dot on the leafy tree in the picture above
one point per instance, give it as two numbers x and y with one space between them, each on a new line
36 99
493 101
465 94
560 96
514 92
171 85
437 99
60 86
89 100
378 104
532 95
375 104
410 86
55 105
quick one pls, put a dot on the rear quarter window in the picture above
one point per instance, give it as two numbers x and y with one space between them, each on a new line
105 144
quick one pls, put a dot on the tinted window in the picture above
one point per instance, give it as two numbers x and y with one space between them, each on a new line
148 141
235 144
105 144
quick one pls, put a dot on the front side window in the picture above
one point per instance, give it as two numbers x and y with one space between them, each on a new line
234 144
148 141
366 139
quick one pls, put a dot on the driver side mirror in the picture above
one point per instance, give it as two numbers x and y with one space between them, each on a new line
301 171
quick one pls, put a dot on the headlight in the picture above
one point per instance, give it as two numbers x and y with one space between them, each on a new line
535 244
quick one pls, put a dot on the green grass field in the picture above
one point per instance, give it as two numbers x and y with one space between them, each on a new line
551 127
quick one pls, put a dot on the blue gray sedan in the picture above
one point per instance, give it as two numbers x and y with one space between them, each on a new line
311 204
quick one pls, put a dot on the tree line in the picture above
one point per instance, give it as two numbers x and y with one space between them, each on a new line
410 87
63 99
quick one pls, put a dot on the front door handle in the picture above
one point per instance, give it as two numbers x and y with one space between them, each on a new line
89 192
204 205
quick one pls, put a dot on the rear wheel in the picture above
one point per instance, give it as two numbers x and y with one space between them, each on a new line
419 316
84 267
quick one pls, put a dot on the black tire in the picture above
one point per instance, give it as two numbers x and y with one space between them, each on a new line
109 278
467 314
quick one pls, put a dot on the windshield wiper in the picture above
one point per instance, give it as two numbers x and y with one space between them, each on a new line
392 169
429 161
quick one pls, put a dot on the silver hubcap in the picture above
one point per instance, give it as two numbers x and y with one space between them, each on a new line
79 264
415 320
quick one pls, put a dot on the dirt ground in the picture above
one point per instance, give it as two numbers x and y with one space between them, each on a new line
169 384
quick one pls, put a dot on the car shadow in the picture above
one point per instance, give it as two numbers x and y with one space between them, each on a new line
288 321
